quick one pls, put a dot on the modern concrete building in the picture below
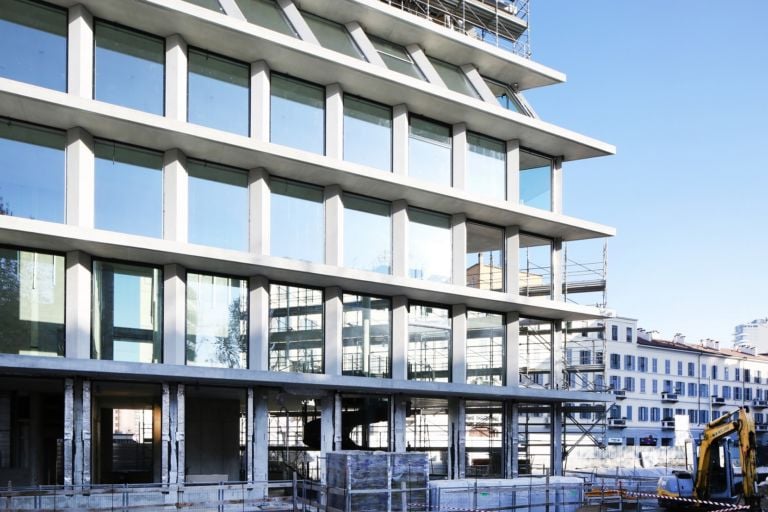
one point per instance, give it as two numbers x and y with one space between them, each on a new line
753 334
241 234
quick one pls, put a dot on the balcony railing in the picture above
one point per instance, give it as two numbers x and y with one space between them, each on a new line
668 397
667 424
717 401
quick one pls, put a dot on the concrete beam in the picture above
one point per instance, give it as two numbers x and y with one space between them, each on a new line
80 52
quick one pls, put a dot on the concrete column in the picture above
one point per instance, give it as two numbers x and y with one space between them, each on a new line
297 21
511 450
459 344
174 314
400 238
459 156
400 135
176 78
334 122
165 433
77 430
78 305
473 75
80 177
261 437
513 171
258 208
512 260
181 404
556 463
557 270
457 426
511 355
365 45
459 249
421 60
334 316
399 337
258 323
69 431
249 434
398 430
557 185
173 418
86 430
330 428
175 196
260 101
558 356
80 52
334 225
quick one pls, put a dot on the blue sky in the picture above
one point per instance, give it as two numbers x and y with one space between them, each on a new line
681 88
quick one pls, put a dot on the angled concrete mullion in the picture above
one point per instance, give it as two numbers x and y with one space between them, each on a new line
298 22
426 67
473 75
232 9
365 45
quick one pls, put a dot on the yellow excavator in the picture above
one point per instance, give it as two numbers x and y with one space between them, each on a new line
713 478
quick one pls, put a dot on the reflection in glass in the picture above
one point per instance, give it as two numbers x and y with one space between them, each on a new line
396 57
484 435
297 221
332 35
429 246
218 206
429 151
129 68
429 343
297 111
366 336
485 348
486 166
32 178
37 33
295 329
505 96
365 426
367 234
217 321
367 133
127 312
453 77
485 257
535 355
218 92
427 430
31 303
267 14
535 180
535 266
128 179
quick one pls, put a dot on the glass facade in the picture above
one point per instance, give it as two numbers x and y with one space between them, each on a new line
267 14
429 343
332 35
534 351
218 206
37 33
484 438
217 321
453 77
366 336
297 111
129 68
429 246
301 207
486 166
535 180
485 348
295 329
127 312
485 257
367 133
505 96
429 151
396 58
31 303
218 92
535 266
32 177
367 234
128 179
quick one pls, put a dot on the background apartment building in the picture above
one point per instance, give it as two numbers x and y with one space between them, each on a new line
241 234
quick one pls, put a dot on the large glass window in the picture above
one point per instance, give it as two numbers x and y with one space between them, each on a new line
535 266
429 151
297 221
367 133
485 257
486 166
535 357
429 343
484 438
396 57
31 303
127 312
218 92
34 41
295 329
485 348
332 35
367 234
453 77
297 111
218 206
366 336
505 96
129 68
429 246
217 321
535 180
128 189
31 171
267 14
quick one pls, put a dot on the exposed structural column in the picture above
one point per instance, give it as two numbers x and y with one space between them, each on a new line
457 434
400 135
399 370
80 52
512 432
513 171
459 156
259 201
557 185
334 122
176 78
459 249
459 344
556 463
77 432
260 101
172 455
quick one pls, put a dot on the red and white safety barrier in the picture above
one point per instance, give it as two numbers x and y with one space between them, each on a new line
725 507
